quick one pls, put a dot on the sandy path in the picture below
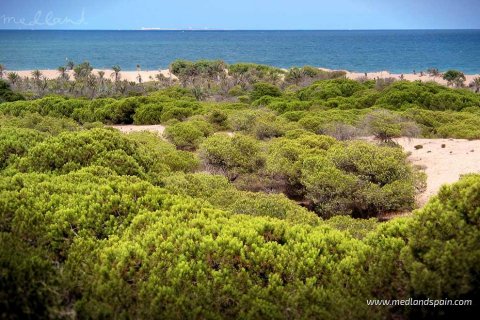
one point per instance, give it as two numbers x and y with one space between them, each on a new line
442 165
156 128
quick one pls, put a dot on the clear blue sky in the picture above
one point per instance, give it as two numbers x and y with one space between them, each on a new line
246 14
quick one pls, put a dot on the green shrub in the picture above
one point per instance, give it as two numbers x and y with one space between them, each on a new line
188 135
150 113
223 195
231 155
16 142
385 125
71 151
454 77
359 179
262 89
29 286
218 118
326 89
7 95
236 91
442 254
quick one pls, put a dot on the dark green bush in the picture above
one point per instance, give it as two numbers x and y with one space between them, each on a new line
188 135
262 89
150 113
231 155
7 95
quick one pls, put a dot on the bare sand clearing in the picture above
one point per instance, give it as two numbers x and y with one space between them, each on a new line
156 128
149 75
443 165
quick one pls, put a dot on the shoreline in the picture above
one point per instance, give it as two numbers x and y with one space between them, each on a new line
149 75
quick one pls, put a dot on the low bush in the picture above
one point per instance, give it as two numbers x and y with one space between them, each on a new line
231 156
188 135
262 89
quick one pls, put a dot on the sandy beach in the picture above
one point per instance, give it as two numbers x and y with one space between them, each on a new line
149 75
409 77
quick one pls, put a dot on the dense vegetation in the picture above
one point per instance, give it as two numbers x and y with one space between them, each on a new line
261 205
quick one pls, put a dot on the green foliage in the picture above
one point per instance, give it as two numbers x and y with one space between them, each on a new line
71 151
218 118
202 67
323 90
84 232
254 72
16 142
447 124
188 135
7 95
150 113
220 193
46 124
442 254
236 91
99 224
454 77
159 151
29 285
309 74
359 179
432 96
385 125
321 121
262 89
231 155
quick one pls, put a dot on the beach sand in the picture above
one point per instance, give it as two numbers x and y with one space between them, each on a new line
407 76
149 75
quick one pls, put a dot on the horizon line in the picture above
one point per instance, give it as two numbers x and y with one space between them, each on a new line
218 29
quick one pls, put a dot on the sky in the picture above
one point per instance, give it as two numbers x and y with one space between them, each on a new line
240 15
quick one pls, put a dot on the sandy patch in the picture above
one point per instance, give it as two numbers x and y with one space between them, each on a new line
442 165
156 128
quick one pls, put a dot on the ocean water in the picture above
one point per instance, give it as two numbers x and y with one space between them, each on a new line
395 51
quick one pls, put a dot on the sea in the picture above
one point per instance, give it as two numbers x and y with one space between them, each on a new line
397 51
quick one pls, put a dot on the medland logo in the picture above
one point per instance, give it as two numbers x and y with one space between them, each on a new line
41 19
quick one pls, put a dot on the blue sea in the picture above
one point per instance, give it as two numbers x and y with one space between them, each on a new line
395 51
